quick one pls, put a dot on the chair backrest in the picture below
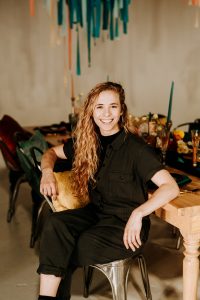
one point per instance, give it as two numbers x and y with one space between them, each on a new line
28 151
29 169
190 125
8 128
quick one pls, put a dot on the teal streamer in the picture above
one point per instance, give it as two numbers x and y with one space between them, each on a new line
78 60
89 23
124 15
116 27
125 11
111 20
125 28
106 6
96 15
96 18
79 12
93 20
71 12
60 12
64 21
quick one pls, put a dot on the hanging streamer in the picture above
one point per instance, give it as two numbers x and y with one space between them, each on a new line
89 23
194 2
72 90
94 15
106 5
79 14
32 7
78 63
111 20
98 19
60 12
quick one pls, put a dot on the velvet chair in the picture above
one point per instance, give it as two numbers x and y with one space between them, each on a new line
8 128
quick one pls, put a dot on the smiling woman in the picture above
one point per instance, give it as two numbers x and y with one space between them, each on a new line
112 167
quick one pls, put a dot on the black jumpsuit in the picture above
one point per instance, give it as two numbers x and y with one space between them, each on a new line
94 234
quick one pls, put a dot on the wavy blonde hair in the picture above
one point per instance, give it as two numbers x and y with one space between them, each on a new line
87 145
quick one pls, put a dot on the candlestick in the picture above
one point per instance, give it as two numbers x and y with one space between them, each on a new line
72 87
170 103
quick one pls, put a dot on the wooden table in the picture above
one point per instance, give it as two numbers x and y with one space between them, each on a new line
52 139
184 213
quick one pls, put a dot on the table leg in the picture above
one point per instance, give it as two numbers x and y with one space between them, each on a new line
190 267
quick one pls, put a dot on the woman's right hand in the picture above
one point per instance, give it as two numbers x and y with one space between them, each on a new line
48 184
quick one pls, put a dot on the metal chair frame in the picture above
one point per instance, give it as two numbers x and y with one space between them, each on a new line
117 273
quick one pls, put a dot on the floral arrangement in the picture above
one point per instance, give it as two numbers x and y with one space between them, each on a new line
183 146
149 127
146 124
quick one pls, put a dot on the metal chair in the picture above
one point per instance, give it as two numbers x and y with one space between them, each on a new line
117 273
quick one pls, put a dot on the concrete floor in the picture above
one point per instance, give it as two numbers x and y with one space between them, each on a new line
19 280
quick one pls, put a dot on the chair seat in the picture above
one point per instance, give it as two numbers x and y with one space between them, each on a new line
117 273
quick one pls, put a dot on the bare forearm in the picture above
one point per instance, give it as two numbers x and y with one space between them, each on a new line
159 198
48 160
167 191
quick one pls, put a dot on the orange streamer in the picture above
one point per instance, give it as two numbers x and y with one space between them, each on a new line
32 7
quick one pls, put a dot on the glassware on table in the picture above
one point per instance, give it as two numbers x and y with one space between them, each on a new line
195 135
163 135
152 133
143 129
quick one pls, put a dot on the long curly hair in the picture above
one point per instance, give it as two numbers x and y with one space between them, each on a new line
87 144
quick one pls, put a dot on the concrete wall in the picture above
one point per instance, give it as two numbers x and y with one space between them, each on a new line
162 45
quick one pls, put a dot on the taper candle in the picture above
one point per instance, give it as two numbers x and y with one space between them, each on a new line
170 103
72 87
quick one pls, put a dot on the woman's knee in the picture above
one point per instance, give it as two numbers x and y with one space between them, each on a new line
53 225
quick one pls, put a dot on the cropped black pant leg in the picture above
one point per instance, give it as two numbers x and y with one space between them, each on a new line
59 238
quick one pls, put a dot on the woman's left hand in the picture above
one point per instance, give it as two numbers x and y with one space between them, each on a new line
132 231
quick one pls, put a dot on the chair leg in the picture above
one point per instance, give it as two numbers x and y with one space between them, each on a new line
117 274
13 192
37 203
87 279
145 277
